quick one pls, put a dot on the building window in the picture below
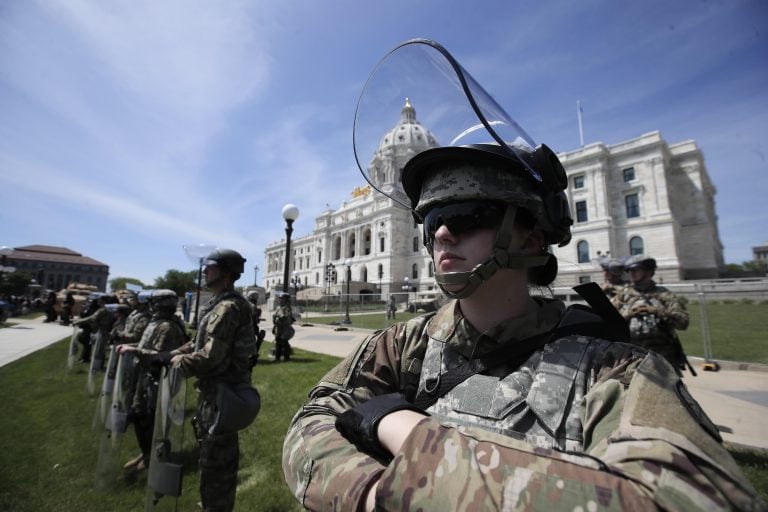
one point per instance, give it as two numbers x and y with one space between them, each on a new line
584 279
633 205
415 271
431 269
581 211
367 242
578 181
629 174
416 244
381 271
636 246
381 244
582 251
337 248
351 242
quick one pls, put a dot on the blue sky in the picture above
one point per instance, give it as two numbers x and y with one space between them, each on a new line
131 128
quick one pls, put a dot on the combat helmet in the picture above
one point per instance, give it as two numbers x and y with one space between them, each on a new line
641 261
612 265
164 300
227 260
489 173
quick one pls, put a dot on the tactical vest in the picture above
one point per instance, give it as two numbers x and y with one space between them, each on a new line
538 399
236 366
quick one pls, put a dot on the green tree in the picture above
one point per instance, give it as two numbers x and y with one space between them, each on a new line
15 283
178 281
119 283
758 266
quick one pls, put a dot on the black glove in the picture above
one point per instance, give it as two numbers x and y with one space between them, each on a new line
359 424
161 359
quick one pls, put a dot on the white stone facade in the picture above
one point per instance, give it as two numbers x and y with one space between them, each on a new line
641 195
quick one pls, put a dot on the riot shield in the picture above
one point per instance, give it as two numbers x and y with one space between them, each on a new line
114 420
104 402
72 353
97 361
164 478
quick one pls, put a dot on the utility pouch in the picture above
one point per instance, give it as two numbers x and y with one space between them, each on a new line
237 405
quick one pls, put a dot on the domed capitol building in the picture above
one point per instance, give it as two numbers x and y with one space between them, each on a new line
637 196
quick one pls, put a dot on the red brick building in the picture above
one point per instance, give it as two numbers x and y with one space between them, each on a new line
55 267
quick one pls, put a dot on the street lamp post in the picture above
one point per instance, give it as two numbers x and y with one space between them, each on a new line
290 214
197 253
348 264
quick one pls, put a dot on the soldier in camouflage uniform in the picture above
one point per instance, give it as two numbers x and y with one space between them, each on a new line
96 323
613 272
221 352
652 311
165 332
282 327
137 320
487 404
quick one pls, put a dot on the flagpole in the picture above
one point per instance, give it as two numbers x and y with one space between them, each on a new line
581 125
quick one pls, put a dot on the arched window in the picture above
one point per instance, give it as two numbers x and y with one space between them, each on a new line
351 241
636 246
415 271
431 269
381 244
367 241
364 274
380 271
337 247
582 250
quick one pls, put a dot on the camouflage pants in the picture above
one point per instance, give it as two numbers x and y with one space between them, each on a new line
219 459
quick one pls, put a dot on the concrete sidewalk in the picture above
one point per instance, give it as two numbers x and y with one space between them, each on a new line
736 400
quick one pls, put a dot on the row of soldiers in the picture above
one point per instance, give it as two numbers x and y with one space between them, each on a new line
652 312
150 354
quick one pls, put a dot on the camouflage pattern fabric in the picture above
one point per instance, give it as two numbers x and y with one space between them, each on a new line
653 314
611 290
164 333
222 350
643 442
135 325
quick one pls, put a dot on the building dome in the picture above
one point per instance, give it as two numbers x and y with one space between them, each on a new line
399 145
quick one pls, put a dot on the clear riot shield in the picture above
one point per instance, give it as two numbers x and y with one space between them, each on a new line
165 466
454 108
104 402
114 421
72 353
97 361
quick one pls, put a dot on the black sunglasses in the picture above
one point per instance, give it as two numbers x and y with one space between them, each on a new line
460 218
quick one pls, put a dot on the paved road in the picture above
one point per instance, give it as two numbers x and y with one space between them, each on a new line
736 399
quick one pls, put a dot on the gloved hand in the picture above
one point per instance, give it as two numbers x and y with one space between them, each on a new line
643 309
359 425
161 359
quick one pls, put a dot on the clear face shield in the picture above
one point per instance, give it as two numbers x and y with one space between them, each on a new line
424 84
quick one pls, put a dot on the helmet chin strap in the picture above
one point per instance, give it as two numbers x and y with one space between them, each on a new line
502 256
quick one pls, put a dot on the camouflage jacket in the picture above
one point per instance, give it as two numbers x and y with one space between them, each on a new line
165 332
653 314
135 325
224 342
644 442
282 319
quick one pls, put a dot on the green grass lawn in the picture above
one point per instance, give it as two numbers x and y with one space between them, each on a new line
738 331
49 449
